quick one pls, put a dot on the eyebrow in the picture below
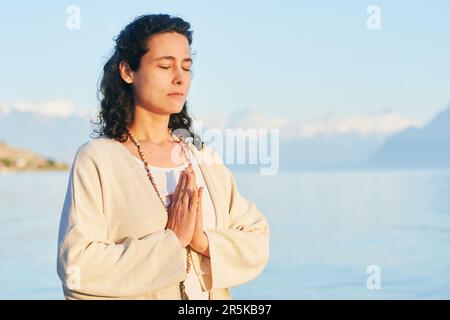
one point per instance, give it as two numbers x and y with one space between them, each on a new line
173 58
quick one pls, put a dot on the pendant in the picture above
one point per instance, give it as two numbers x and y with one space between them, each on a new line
183 294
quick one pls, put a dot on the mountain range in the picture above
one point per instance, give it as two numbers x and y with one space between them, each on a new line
426 147
58 138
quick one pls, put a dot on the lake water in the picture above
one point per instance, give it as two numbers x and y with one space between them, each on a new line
326 229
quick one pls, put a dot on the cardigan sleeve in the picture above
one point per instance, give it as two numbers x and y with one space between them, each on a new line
239 253
90 264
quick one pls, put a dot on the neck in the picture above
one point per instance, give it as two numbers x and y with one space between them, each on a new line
150 127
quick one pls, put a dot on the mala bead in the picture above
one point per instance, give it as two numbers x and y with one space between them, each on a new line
182 143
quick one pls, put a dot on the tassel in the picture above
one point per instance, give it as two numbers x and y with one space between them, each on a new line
184 296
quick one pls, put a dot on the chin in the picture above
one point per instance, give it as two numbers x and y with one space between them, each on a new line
178 109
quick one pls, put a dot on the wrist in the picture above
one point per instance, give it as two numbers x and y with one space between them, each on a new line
200 244
204 245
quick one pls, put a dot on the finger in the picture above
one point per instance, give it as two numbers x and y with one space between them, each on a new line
173 206
199 217
183 180
200 200
185 199
186 184
191 180
170 201
173 197
201 195
194 201
178 187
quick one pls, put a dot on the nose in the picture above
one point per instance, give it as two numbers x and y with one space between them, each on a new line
179 76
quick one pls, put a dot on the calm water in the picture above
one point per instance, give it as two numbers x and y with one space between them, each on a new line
326 229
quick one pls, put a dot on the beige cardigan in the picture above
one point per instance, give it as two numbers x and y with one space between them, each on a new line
112 241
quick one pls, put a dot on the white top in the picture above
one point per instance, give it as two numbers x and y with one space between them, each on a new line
166 180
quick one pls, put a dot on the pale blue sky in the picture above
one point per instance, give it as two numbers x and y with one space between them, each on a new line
291 58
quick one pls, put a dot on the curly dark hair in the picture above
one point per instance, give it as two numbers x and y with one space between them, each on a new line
116 100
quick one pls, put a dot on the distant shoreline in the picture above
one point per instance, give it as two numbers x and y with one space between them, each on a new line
13 159
16 170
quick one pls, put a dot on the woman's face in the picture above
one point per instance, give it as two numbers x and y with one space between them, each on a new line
164 69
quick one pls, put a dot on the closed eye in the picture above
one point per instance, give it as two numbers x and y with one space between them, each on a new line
164 67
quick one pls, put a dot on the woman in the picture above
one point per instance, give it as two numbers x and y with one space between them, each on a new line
147 214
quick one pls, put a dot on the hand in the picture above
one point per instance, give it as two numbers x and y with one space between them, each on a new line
199 240
183 208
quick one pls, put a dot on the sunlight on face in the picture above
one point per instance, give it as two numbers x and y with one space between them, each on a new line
164 69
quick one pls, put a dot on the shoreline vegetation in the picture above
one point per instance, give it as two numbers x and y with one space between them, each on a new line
14 159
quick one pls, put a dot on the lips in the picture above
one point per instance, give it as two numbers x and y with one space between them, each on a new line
176 94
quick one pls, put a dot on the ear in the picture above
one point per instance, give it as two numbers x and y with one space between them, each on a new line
125 72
